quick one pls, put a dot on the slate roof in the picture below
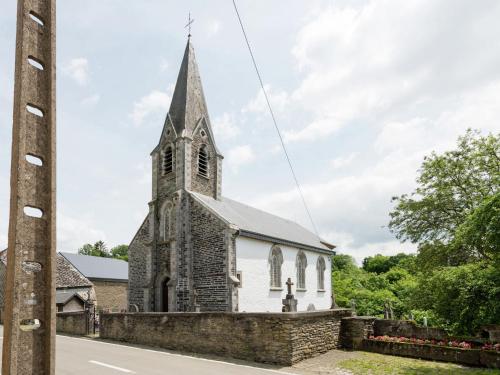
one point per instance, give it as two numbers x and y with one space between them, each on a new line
255 223
99 267
67 276
63 297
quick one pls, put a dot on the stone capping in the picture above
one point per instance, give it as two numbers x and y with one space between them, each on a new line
278 315
69 313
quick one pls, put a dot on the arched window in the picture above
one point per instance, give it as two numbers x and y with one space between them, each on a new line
165 221
168 160
301 263
203 161
275 261
320 267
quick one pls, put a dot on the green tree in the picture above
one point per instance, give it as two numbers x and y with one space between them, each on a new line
381 263
479 234
462 298
450 187
342 262
120 252
99 249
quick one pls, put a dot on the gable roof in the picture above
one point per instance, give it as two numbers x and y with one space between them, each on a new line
98 267
63 297
67 276
258 224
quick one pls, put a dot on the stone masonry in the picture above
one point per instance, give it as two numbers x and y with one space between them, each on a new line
277 338
181 249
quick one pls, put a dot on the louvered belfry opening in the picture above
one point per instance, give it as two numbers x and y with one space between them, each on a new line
168 162
203 161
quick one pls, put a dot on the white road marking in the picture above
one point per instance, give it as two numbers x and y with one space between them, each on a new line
111 366
180 355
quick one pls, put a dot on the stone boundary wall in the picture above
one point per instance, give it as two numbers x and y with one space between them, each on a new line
354 330
407 328
469 357
73 323
357 328
279 338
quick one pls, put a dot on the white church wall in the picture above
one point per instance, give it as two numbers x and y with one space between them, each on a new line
252 260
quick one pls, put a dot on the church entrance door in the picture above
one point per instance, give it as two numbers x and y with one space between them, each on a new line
164 294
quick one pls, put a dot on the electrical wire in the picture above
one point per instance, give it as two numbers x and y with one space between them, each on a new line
274 118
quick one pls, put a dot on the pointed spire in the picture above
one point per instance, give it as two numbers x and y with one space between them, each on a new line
188 104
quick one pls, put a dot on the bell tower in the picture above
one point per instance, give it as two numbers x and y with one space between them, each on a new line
185 159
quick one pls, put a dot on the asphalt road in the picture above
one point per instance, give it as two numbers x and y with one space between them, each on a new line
85 356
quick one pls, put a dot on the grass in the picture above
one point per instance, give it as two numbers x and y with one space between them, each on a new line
377 364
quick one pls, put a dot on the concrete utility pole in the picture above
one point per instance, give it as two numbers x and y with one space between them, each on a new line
29 325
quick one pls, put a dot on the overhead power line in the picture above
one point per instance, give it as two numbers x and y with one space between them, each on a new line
274 118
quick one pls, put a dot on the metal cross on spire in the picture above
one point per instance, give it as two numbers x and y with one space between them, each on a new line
190 22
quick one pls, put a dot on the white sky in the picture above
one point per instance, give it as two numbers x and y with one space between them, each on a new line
362 91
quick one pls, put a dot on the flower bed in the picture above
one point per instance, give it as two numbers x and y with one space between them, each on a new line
461 352
446 343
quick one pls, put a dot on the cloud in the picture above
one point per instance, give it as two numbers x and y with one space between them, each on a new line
78 70
155 103
343 161
213 28
239 156
224 127
91 101
386 60
3 241
72 233
279 100
164 65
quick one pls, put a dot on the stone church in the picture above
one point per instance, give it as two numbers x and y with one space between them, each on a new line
199 251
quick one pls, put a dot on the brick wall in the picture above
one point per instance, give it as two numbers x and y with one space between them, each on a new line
263 337
111 295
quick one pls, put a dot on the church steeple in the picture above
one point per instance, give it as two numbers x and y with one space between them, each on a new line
188 104
186 156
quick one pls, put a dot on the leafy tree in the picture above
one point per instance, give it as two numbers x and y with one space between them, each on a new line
479 234
450 187
120 252
343 262
462 298
381 263
99 249
370 291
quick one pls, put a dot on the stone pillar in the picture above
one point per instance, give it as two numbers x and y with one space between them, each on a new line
29 326
353 330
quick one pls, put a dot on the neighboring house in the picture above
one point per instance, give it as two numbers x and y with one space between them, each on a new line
109 277
73 289
199 250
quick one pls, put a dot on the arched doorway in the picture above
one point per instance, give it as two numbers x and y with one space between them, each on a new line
164 294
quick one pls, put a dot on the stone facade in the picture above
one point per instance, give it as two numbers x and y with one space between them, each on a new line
184 255
162 258
111 295
282 339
